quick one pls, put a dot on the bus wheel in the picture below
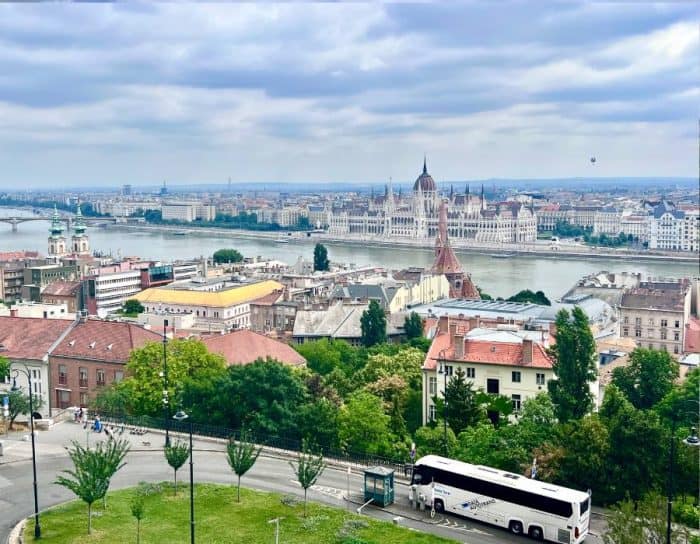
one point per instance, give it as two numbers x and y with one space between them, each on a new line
439 506
536 533
515 527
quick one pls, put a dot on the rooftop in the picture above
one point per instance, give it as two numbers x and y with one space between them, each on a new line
29 338
243 346
220 299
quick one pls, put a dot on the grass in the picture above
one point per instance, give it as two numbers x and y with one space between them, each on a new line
218 519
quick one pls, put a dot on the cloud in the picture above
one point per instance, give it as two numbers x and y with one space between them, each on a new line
343 91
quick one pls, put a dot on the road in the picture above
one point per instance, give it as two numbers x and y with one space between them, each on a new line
145 462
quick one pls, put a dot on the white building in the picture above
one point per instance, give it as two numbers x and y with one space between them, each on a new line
666 227
188 211
607 221
107 292
38 310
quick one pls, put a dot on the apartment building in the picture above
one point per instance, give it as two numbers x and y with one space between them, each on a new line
188 211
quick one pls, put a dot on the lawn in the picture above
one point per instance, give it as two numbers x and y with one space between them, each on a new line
218 519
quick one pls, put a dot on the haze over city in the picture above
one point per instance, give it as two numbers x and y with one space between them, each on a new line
103 95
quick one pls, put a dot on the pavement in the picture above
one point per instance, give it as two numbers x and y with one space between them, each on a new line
145 462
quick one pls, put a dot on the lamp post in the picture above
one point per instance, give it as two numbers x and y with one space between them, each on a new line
181 416
28 374
443 370
166 410
691 440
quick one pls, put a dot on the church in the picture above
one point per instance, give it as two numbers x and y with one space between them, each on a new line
417 216
79 242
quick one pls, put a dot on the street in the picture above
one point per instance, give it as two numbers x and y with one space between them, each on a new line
145 462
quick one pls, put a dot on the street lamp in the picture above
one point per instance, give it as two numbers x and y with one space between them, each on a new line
691 440
181 416
28 374
166 410
443 370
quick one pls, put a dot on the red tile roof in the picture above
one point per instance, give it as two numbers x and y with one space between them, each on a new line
28 337
484 351
243 347
62 288
692 335
109 341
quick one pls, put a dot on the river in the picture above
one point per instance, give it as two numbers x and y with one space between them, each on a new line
499 277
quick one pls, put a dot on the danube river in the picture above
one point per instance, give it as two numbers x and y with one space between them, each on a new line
499 277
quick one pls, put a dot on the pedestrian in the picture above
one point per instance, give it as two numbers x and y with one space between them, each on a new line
98 424
76 415
85 419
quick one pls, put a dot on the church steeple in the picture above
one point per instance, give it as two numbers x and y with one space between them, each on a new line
78 223
56 229
57 242
79 241
425 165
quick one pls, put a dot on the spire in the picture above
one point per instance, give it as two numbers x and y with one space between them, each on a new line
56 229
79 224
466 190
425 164
452 191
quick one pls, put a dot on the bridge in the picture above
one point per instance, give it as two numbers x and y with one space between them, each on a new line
67 219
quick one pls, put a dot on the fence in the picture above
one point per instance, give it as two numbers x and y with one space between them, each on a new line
271 441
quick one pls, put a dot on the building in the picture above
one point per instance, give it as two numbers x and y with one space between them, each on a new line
27 343
417 216
38 310
607 221
69 293
92 355
57 241
11 281
504 361
243 347
225 306
80 243
341 321
273 313
674 229
188 211
655 314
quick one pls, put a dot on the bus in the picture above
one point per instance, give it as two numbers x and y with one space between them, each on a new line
522 505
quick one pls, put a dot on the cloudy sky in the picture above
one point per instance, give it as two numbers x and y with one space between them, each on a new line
105 94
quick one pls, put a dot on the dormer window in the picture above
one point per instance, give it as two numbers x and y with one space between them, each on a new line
71 343
92 345
109 347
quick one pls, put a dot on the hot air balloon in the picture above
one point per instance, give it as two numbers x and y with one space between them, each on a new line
592 160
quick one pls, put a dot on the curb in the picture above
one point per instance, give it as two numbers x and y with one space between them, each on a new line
16 534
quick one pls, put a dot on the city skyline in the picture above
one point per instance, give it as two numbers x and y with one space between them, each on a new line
111 94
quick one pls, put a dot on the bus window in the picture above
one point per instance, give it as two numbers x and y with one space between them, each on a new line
584 507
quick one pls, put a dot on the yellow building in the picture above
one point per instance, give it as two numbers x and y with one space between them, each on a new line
229 306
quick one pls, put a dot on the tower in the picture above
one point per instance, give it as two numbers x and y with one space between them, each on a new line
57 242
80 244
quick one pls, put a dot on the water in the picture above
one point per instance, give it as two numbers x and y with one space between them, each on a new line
498 277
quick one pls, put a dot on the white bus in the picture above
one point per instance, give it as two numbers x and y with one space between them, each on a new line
519 504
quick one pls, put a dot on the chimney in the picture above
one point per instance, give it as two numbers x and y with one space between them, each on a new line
453 330
458 341
553 330
443 322
13 312
527 352
473 323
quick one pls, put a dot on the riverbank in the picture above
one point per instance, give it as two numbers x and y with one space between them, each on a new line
544 249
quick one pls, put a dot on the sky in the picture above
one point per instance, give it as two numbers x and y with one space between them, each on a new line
105 94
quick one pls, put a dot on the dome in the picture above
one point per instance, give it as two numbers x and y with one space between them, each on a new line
425 181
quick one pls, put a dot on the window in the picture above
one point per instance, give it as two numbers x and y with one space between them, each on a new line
62 375
100 376
492 386
63 399
638 333
625 332
515 376
515 399
675 350
447 369
650 333
676 336
83 377
471 372
540 378
626 320
677 324
663 334
432 386
663 347
664 323
638 321
118 376
83 399
651 346
432 414
651 321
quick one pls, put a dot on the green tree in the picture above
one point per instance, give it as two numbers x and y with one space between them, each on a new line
321 262
224 256
111 399
19 404
114 452
413 326
431 439
574 365
648 377
484 296
323 356
91 474
308 469
4 367
188 361
484 444
133 306
373 324
464 411
632 522
176 454
585 461
241 456
676 403
529 296
318 422
406 364
137 505
363 424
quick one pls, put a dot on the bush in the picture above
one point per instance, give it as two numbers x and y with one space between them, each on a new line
686 513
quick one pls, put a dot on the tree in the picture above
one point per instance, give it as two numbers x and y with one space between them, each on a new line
308 469
526 295
431 439
4 367
176 454
19 404
405 364
648 377
223 256
188 361
363 425
241 456
461 399
318 422
321 262
91 473
631 522
138 510
413 326
373 323
133 306
584 464
114 452
574 365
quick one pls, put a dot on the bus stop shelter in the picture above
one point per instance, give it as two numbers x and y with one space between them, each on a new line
379 485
